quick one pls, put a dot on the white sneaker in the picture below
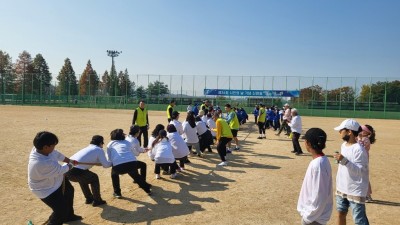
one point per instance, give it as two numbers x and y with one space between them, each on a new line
158 176
173 176
223 164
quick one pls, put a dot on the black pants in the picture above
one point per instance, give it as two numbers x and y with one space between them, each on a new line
285 126
277 124
131 168
181 162
296 144
86 178
144 131
142 166
221 147
261 127
61 204
172 167
255 118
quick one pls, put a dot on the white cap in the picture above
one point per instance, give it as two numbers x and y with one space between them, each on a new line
350 124
286 104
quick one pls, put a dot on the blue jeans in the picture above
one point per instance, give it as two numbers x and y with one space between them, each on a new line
358 210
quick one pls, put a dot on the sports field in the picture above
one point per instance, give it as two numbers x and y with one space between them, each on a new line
260 185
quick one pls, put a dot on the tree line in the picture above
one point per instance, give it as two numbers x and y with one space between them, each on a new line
32 76
386 91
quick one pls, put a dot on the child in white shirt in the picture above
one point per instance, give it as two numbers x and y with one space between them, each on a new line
316 201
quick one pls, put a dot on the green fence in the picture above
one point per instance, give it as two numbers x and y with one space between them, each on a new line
359 97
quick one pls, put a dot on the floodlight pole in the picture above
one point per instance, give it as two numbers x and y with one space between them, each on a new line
112 54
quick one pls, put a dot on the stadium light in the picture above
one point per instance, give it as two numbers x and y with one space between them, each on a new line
113 54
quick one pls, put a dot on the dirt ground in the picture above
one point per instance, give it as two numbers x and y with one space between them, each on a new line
260 185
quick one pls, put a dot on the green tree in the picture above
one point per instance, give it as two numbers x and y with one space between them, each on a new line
89 81
393 91
376 92
125 84
6 77
140 92
310 93
23 71
42 76
157 89
113 82
343 94
67 83
105 83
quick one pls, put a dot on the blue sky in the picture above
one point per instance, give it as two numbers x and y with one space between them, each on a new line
255 37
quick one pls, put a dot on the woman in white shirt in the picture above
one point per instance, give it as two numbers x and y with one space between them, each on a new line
176 123
316 201
190 133
211 125
119 152
163 156
179 147
153 137
136 149
205 136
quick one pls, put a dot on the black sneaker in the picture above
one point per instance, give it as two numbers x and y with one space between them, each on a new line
117 195
73 218
97 203
89 201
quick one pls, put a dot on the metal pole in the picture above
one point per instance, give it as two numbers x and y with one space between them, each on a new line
181 91
326 95
369 98
312 96
31 88
384 101
354 98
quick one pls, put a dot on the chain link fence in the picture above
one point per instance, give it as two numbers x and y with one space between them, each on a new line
359 97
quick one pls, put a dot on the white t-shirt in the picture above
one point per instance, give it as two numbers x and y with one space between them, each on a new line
295 124
91 154
136 149
190 133
315 202
119 152
45 174
211 124
201 127
151 140
162 152
287 115
178 126
353 178
179 146
204 119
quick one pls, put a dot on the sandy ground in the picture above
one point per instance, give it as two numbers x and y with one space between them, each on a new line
260 186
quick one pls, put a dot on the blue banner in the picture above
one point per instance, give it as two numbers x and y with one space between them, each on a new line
252 93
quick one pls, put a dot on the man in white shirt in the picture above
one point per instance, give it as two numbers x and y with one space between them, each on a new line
296 126
46 178
90 156
352 178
